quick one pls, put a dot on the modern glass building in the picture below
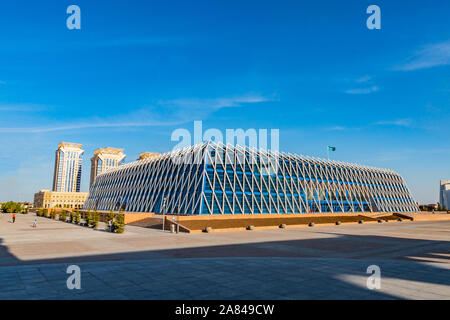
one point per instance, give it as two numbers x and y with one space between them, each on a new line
68 161
213 178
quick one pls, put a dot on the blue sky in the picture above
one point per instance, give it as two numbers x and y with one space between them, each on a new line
138 70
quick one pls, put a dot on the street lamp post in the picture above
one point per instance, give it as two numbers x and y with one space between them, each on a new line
164 213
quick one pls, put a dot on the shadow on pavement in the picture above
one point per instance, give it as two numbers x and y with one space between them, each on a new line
330 254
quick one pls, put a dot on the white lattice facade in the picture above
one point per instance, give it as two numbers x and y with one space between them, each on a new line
216 179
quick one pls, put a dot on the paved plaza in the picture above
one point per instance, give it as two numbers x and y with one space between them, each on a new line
323 262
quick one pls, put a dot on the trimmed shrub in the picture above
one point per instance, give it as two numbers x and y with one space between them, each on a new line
110 218
119 223
87 218
76 217
45 213
63 216
53 214
94 219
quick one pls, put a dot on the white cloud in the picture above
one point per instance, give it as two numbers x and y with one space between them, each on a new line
21 107
172 112
399 122
363 90
363 79
430 56
337 128
142 42
213 104
84 125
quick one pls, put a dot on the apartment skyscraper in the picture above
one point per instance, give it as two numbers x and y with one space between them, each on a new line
104 159
68 161
444 194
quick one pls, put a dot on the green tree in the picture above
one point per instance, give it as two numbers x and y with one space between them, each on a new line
76 216
63 215
87 218
94 219
119 224
12 207
110 217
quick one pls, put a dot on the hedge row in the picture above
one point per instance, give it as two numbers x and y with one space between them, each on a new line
114 222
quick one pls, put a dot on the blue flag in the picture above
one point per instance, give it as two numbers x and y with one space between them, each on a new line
331 148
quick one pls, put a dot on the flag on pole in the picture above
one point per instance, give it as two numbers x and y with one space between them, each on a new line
331 148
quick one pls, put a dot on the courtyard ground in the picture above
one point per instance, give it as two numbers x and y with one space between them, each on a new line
322 262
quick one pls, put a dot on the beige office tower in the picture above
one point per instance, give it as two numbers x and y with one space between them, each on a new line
146 155
68 162
105 159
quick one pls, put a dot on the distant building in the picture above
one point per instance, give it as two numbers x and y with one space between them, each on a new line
444 194
68 161
52 199
146 155
105 159
428 207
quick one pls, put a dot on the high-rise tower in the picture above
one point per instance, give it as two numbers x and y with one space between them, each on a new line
444 194
104 159
68 161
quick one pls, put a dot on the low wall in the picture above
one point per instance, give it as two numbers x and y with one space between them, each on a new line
252 216
134 217
430 216
128 216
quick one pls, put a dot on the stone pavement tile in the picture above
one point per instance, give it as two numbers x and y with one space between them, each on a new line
152 294
14 295
172 295
12 285
86 296
298 296
57 277
8 275
36 279
41 287
138 295
118 283
152 285
347 294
